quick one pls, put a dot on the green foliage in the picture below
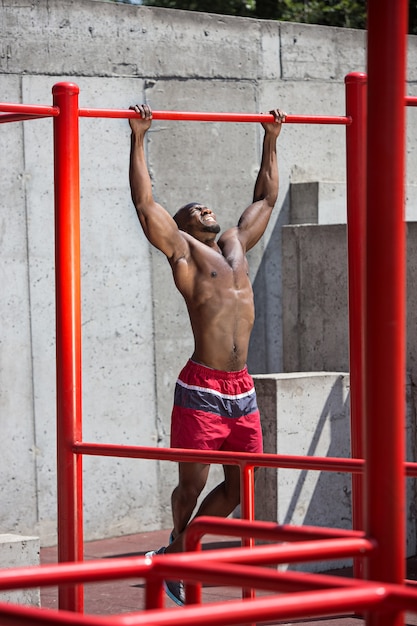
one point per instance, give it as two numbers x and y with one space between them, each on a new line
343 13
349 13
230 7
412 17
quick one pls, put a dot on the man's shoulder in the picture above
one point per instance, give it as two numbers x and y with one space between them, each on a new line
229 234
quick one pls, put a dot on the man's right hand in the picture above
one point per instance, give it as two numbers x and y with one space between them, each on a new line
275 127
142 123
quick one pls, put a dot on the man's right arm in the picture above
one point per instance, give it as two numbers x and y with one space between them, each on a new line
157 224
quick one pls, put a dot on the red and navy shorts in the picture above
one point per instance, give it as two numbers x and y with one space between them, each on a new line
215 410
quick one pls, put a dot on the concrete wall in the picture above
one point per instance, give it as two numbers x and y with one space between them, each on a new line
135 327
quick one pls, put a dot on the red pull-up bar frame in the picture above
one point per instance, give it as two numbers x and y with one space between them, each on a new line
70 445
206 116
382 322
21 112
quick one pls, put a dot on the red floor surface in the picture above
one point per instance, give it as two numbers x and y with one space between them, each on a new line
126 596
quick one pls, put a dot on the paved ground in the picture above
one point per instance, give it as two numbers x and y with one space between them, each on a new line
127 595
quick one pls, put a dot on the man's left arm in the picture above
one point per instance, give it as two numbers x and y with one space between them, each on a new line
255 218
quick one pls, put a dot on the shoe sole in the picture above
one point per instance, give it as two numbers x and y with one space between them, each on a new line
171 596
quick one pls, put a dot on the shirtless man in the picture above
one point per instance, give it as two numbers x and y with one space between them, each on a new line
215 402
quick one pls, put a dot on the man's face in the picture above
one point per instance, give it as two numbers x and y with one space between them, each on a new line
204 216
195 218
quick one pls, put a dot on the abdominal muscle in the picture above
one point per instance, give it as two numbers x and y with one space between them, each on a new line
219 298
222 328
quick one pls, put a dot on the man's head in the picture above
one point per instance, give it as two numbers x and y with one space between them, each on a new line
195 218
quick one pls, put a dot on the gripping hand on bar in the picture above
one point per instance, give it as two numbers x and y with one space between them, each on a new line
144 110
204 116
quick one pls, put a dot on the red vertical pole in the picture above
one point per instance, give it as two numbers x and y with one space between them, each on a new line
68 334
247 494
385 296
247 505
356 235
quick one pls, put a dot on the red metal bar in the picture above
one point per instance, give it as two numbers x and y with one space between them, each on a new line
410 468
247 493
411 101
356 239
276 608
300 551
287 461
169 565
29 109
247 504
384 402
268 531
16 615
304 604
206 116
154 594
22 112
18 117
68 334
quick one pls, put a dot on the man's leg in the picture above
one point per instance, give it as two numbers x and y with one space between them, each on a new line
192 478
224 498
220 502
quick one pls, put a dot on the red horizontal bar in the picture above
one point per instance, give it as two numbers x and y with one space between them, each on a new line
268 531
276 608
283 461
411 101
29 109
205 116
17 615
178 564
329 464
269 608
18 117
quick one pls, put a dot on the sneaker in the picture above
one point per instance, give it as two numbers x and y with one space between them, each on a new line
175 590
153 552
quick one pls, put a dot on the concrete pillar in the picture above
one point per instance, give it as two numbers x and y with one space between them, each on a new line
19 551
305 414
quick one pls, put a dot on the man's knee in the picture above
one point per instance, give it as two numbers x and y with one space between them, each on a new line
192 480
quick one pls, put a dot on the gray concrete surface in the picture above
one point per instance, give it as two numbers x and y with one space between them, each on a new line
135 327
315 289
20 551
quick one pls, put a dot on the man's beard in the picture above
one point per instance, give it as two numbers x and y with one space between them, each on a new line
212 228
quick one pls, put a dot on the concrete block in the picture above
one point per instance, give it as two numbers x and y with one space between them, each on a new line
322 202
318 203
305 414
19 551
314 288
412 59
